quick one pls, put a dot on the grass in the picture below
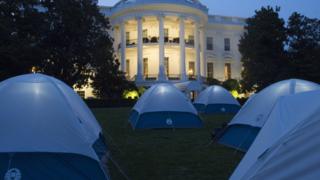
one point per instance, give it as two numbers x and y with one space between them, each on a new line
166 154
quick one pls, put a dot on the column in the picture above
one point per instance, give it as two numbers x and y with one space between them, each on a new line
236 70
162 74
140 50
123 46
203 51
197 49
182 50
220 54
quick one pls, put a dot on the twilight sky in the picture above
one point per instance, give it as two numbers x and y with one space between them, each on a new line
246 8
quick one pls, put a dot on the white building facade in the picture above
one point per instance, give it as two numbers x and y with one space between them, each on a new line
173 40
159 40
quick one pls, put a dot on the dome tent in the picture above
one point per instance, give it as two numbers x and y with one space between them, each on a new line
287 145
48 131
164 106
216 99
245 126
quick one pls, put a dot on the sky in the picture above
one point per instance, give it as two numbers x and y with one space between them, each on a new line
246 8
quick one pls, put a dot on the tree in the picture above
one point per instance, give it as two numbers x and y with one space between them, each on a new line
79 47
231 85
74 32
262 49
19 39
108 81
304 47
67 39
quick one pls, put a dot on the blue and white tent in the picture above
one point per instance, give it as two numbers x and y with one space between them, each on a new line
164 106
245 126
47 132
287 146
215 100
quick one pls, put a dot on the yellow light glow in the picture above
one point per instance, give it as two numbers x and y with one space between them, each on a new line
34 69
131 94
190 72
235 93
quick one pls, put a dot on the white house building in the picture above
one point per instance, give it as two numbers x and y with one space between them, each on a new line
174 40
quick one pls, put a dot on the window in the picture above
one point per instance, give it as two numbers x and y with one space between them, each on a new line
128 68
145 33
227 44
145 38
190 40
82 94
166 32
191 70
209 43
166 65
166 35
227 71
128 38
145 67
210 70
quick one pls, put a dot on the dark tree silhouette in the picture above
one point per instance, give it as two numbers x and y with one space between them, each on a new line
262 49
67 39
304 47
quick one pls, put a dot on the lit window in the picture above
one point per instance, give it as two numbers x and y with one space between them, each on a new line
128 38
227 71
145 67
128 68
166 65
210 70
145 33
145 38
166 35
166 32
191 70
190 40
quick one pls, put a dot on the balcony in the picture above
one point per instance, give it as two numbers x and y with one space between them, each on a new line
155 40
174 77
150 77
131 42
154 77
190 43
172 40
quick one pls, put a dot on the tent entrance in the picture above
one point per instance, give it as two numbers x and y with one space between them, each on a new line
39 166
239 136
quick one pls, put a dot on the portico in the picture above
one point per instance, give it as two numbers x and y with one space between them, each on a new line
176 38
177 41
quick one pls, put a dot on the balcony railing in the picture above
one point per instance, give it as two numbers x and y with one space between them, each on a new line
174 77
173 40
190 42
150 77
150 40
154 77
131 42
170 77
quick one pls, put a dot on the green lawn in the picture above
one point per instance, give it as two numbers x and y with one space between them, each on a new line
166 154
